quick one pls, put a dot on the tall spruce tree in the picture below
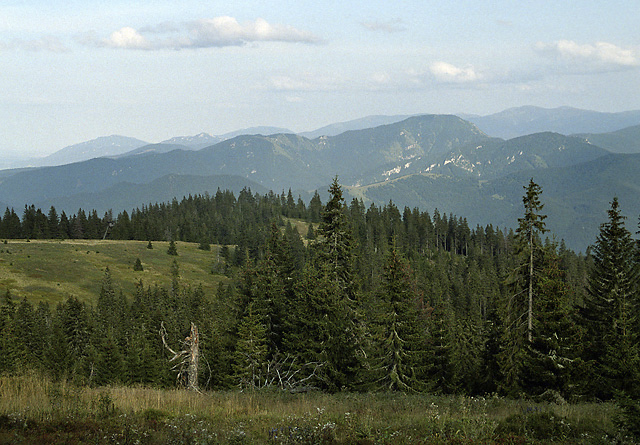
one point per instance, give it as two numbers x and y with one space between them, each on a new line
530 227
610 313
556 335
340 330
399 356
516 309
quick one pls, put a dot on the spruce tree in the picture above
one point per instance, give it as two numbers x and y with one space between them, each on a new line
517 307
556 336
250 358
172 249
530 227
610 314
399 357
340 328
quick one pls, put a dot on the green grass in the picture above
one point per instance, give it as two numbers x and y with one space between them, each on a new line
36 410
53 270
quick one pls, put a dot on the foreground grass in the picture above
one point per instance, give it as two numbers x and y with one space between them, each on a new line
36 410
53 270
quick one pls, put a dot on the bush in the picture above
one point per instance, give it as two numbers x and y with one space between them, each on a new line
628 417
539 425
138 265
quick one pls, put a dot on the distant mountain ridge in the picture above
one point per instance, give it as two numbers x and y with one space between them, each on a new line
521 121
356 124
506 124
428 161
626 140
113 145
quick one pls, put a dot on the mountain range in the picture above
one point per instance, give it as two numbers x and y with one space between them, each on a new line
441 162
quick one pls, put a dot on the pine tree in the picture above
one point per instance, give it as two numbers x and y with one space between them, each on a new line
7 334
610 314
336 289
530 227
516 308
399 359
172 249
556 337
137 266
251 350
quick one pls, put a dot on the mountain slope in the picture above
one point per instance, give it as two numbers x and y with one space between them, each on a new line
153 148
521 121
194 142
496 157
276 162
356 124
389 151
626 140
103 146
128 195
430 161
576 198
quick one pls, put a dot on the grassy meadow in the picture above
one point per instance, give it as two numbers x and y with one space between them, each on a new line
36 410
53 270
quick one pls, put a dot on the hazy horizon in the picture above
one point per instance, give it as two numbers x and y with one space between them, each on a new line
154 70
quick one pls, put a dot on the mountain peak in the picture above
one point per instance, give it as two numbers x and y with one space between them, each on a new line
102 146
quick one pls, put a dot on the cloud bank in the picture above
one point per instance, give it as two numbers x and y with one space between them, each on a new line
446 72
45 43
205 33
598 55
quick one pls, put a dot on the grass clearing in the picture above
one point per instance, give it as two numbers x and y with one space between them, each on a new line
53 270
35 409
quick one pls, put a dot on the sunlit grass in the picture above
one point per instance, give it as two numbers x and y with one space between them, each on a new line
53 270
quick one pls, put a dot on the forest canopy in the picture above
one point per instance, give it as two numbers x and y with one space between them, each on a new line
362 299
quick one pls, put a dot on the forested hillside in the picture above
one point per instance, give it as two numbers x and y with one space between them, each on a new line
337 296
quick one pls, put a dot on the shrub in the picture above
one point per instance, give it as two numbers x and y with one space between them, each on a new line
628 417
539 425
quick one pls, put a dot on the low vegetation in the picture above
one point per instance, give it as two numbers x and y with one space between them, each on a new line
34 409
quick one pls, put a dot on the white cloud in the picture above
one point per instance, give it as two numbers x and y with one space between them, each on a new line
446 72
394 25
127 38
595 55
205 33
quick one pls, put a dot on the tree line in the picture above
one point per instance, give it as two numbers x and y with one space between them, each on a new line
367 299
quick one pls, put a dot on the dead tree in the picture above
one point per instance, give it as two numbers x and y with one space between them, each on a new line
186 359
284 373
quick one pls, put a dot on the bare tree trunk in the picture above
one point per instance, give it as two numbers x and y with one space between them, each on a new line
193 342
186 359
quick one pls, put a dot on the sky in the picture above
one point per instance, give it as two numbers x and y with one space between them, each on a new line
72 71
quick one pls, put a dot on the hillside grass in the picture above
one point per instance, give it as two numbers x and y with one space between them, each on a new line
53 270
34 409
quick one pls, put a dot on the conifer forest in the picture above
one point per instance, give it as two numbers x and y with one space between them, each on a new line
373 299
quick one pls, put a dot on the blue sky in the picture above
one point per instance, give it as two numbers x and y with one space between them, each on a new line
71 71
